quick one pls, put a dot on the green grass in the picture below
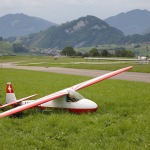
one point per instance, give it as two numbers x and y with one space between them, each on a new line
121 122
136 67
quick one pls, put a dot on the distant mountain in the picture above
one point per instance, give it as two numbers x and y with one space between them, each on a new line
85 31
133 22
13 25
136 38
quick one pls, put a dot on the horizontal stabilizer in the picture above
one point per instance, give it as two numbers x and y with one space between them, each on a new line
33 104
18 101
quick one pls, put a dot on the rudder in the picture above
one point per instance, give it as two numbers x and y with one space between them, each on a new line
10 95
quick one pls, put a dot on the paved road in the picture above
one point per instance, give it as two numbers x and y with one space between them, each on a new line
131 76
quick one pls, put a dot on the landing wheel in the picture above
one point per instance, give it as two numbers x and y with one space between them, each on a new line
17 115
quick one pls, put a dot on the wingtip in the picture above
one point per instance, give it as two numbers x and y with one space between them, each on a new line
130 67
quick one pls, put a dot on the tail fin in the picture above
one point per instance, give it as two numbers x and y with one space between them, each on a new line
10 95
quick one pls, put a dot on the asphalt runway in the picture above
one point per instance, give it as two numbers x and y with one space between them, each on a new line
130 76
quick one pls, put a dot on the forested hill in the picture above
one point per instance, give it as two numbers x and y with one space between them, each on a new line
133 22
85 31
136 38
15 25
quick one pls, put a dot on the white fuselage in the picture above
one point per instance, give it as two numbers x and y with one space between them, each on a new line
80 106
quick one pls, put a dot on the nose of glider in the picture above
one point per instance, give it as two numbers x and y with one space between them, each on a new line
88 104
85 106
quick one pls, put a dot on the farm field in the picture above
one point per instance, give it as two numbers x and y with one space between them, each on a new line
79 63
121 122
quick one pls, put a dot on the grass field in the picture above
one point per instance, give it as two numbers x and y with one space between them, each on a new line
121 122
79 63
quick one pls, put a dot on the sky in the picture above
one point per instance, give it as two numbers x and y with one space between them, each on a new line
61 11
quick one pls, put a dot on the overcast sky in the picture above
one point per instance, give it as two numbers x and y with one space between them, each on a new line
60 11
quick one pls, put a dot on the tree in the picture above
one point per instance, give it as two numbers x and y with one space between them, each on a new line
86 54
11 39
17 47
124 53
68 51
130 53
94 52
137 46
79 54
1 39
104 53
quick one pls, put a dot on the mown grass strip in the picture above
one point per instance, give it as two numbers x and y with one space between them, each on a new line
78 63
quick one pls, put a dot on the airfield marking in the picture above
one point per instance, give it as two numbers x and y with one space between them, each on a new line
131 76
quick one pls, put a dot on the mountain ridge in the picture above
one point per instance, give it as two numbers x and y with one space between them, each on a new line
16 25
132 22
85 31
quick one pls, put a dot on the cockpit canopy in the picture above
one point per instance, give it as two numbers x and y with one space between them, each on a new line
74 96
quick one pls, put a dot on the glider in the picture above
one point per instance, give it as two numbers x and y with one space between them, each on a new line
67 98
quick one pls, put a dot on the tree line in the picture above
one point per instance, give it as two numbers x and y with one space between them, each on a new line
17 47
94 52
69 51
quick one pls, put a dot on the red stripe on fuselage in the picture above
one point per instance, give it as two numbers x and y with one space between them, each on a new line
80 111
73 110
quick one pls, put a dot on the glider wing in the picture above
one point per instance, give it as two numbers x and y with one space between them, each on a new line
98 79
